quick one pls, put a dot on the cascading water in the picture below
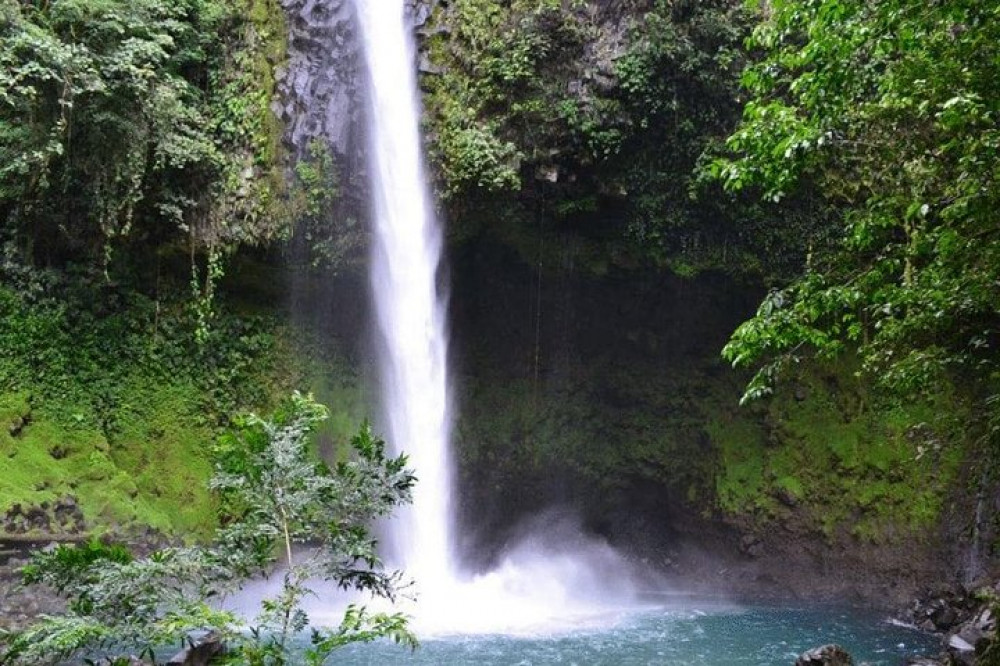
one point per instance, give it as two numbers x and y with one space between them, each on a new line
411 310
539 584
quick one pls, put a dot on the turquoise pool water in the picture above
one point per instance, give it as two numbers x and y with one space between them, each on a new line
689 637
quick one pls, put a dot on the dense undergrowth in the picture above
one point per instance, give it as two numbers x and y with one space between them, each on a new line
108 396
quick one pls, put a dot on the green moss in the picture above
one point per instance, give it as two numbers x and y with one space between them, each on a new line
162 449
881 472
153 469
153 472
791 485
740 485
14 409
495 81
124 420
271 52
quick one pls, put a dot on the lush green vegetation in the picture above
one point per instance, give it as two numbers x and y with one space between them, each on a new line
276 493
139 153
111 398
889 111
554 123
136 126
837 155
882 472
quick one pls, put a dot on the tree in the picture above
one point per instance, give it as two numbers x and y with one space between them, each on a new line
889 110
277 492
283 507
133 124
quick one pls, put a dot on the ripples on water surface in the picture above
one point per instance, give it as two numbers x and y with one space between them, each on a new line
754 637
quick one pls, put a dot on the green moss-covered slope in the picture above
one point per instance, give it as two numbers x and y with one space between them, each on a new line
116 408
879 470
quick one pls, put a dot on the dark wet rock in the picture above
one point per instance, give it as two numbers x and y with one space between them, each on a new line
61 517
787 498
970 634
36 518
961 652
19 606
826 655
320 87
944 618
972 638
751 545
966 621
942 610
66 510
202 651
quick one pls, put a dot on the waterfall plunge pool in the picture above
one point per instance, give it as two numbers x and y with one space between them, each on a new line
706 636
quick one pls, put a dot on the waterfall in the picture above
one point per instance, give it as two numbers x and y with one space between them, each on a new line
410 308
553 575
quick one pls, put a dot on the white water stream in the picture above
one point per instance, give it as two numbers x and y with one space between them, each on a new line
410 308
539 584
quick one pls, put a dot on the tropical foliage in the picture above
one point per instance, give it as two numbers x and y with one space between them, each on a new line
889 109
135 125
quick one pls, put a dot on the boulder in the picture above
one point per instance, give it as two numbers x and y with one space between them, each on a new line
943 610
201 651
944 617
985 621
826 655
751 545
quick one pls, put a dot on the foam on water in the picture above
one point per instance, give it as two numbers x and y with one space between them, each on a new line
535 590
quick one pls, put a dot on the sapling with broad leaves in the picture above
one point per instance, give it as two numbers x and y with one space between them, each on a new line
278 492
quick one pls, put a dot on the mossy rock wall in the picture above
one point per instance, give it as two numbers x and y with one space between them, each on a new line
608 394
109 415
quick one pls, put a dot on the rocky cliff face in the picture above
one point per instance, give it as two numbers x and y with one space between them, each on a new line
321 104
320 91
606 396
321 86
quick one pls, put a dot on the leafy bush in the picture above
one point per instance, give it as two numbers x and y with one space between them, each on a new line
885 112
